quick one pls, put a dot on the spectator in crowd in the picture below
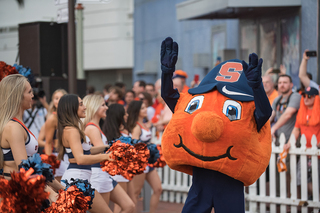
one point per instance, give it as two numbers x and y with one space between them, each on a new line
284 108
157 87
268 85
284 112
35 117
164 119
147 100
128 98
307 123
218 61
177 84
306 78
158 109
90 90
138 87
150 89
115 96
122 86
275 73
183 76
106 91
98 93
162 114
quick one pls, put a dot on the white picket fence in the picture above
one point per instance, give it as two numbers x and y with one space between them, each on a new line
176 185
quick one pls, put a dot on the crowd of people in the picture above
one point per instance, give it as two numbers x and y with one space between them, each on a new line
294 113
29 123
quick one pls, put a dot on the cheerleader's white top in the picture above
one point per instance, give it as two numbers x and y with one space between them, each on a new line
31 144
86 151
145 136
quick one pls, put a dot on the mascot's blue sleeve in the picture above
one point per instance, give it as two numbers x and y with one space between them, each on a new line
263 109
169 95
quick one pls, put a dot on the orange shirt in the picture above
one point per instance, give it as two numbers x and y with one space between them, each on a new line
121 102
308 131
157 113
185 89
272 96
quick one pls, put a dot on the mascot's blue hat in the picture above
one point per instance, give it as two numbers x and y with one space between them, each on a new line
229 79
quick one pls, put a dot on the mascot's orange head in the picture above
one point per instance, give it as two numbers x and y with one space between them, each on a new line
213 127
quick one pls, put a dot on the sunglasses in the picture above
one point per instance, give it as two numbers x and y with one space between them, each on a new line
309 96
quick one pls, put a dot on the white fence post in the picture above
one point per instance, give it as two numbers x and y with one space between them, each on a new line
272 177
293 172
315 172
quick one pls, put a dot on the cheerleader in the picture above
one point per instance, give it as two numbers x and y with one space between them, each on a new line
100 180
50 133
72 140
17 142
113 127
137 111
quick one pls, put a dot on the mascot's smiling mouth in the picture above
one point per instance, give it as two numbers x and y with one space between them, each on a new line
204 158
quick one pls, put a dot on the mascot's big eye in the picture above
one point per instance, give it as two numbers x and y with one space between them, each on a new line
194 104
232 110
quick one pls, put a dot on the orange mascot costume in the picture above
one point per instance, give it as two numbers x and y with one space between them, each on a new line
219 132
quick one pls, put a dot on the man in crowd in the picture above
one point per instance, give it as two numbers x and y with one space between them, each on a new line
115 96
183 76
268 85
178 84
303 75
35 117
284 108
150 89
106 92
138 87
122 86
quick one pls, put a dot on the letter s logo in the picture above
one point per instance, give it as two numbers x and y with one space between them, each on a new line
229 72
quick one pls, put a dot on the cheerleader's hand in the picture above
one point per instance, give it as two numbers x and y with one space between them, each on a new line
109 156
169 55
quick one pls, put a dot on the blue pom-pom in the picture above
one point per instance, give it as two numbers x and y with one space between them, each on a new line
39 167
126 140
154 153
83 185
25 71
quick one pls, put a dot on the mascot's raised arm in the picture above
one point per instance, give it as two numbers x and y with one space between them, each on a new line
219 131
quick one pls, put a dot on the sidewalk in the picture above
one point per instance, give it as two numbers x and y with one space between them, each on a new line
163 207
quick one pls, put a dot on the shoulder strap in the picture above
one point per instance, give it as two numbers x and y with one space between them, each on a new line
18 121
30 115
289 97
142 127
287 101
91 123
33 117
278 102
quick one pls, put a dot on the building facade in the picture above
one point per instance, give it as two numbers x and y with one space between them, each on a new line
278 31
